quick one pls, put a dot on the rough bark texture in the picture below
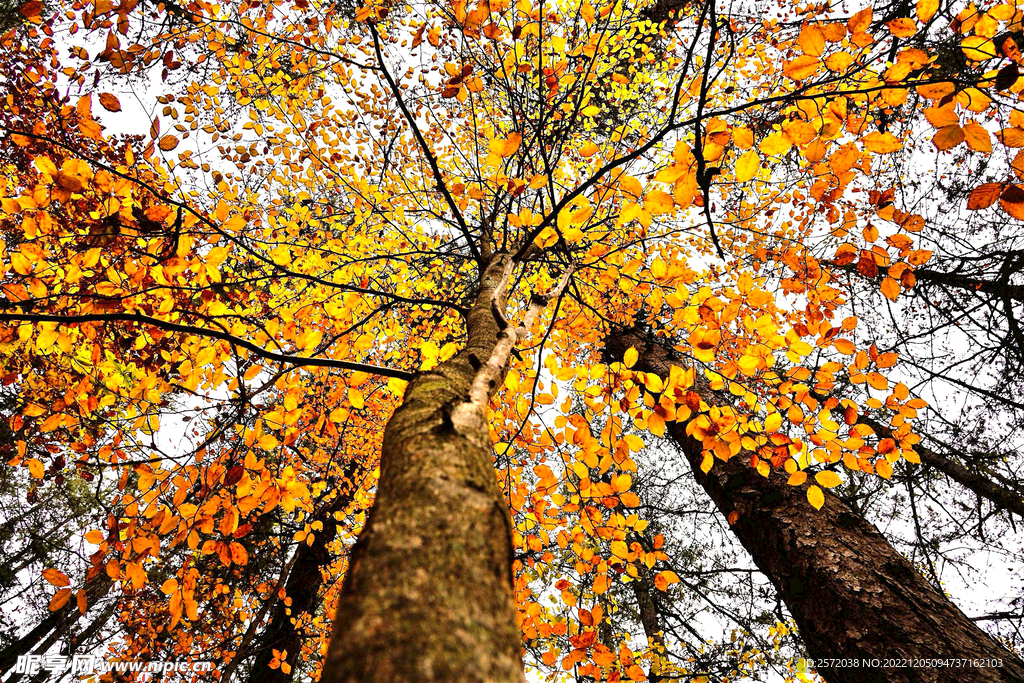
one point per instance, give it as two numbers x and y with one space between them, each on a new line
429 595
852 595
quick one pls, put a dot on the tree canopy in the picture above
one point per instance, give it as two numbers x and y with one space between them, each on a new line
279 275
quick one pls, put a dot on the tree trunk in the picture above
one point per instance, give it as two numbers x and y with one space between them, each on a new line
303 587
648 611
852 595
55 624
429 592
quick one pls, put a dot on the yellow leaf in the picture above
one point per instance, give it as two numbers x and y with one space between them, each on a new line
977 137
620 549
630 357
775 144
21 264
746 166
881 143
622 482
657 202
883 468
355 397
630 499
978 48
926 9
797 478
506 147
812 40
828 479
815 496
773 422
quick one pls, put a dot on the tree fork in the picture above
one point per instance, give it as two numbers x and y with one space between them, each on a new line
852 595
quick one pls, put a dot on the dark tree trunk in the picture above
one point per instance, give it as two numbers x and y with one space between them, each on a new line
852 595
303 587
428 596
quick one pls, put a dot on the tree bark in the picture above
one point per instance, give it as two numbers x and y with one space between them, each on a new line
852 595
428 596
648 611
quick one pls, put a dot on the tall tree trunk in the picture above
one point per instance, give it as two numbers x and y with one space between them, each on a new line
852 595
429 591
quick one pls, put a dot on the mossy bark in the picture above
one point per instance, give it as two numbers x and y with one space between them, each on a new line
428 596
854 597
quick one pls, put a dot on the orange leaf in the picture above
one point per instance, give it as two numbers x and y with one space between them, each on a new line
110 102
860 21
881 143
59 599
56 577
168 142
902 28
83 601
844 346
948 137
977 137
1011 137
984 196
890 288
802 67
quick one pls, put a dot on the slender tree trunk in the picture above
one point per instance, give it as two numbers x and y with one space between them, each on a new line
853 596
303 587
995 492
642 591
54 624
429 592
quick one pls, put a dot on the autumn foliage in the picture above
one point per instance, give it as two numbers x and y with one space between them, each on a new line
237 237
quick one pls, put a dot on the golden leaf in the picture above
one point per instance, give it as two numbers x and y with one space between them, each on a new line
815 496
